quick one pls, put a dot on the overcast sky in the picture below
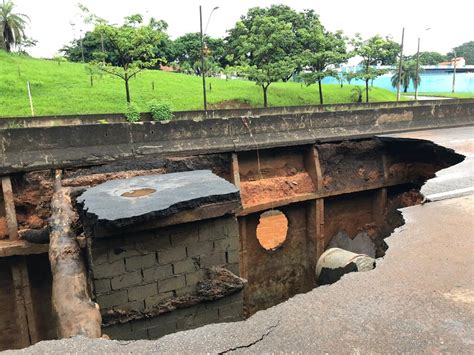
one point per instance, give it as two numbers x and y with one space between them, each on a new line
451 23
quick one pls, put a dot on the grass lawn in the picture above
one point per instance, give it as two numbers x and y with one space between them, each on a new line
65 89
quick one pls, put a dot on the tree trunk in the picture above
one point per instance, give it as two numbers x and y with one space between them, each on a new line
265 99
127 89
320 92
76 314
367 90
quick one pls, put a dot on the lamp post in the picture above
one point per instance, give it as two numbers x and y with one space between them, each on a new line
418 67
82 48
203 67
454 70
400 66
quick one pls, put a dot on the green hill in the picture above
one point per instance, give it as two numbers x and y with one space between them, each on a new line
65 89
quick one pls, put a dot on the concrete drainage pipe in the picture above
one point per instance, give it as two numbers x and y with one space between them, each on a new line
335 262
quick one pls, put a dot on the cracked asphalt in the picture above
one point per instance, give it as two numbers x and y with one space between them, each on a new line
419 299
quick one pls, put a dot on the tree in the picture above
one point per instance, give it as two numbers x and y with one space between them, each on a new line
187 52
322 51
263 46
465 50
94 42
349 76
296 20
430 58
12 26
408 74
375 50
91 43
133 46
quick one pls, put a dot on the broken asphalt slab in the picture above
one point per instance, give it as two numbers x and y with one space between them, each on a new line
125 202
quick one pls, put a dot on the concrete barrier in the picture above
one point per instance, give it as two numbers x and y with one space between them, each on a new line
81 145
69 120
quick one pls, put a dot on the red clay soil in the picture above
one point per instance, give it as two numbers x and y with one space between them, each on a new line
272 229
276 188
32 196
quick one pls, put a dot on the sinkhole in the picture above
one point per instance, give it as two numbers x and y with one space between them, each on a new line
214 263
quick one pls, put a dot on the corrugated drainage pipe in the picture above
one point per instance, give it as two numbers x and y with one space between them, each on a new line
335 262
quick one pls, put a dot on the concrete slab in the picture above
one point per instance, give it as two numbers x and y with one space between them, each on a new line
125 202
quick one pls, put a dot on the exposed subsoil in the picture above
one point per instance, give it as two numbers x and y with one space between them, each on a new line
350 163
392 217
276 188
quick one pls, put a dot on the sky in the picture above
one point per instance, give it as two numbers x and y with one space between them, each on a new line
450 23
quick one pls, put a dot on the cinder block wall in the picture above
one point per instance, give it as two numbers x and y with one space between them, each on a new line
137 272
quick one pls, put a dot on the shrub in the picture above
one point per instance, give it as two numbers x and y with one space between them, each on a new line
132 113
160 111
356 94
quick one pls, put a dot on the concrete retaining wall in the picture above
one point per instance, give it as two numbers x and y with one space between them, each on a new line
51 147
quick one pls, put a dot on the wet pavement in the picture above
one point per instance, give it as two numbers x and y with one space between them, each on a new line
419 299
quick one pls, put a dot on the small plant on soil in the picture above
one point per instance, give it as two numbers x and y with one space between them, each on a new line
132 113
160 111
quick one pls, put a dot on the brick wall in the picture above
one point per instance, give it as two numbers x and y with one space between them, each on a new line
137 272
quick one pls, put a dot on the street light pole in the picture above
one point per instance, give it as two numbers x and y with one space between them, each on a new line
417 82
454 71
417 69
400 66
202 61
82 48
203 47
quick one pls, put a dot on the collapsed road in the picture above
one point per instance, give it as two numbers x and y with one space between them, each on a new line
419 299
349 189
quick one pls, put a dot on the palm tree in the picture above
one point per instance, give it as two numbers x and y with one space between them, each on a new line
12 26
408 74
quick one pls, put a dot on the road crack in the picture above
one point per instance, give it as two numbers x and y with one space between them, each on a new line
268 332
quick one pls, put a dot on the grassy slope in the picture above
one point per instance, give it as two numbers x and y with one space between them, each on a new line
65 89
